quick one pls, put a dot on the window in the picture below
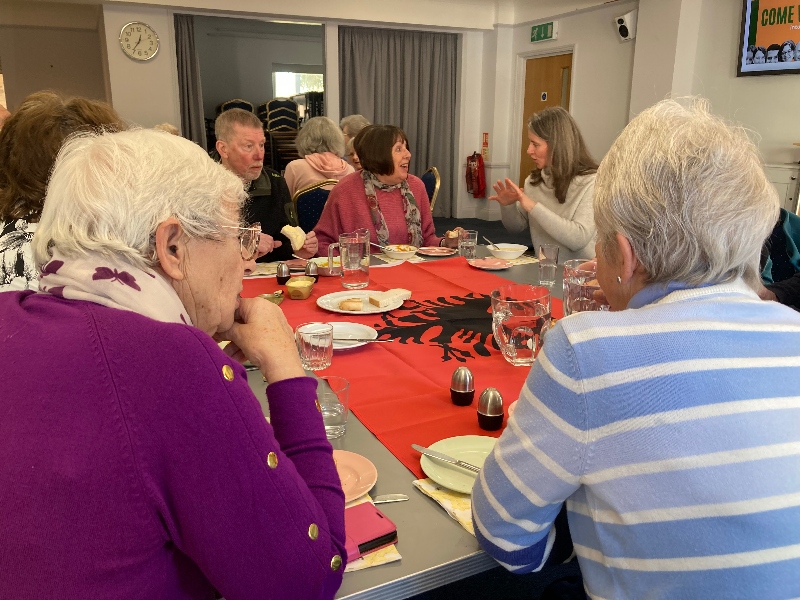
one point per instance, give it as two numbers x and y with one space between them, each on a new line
290 80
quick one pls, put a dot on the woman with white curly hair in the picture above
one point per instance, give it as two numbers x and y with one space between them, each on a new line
667 432
134 458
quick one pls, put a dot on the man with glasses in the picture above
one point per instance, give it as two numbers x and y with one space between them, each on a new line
240 144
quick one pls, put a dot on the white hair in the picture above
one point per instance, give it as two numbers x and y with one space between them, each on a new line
353 124
690 193
320 134
109 192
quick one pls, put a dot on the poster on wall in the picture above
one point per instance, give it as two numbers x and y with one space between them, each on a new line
770 41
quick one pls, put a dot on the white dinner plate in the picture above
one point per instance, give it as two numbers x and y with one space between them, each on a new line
356 473
470 448
346 329
331 302
436 251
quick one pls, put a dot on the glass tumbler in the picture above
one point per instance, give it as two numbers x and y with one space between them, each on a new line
314 345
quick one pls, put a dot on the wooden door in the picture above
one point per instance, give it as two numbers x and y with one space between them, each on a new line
547 83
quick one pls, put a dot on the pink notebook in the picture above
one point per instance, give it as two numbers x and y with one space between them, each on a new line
367 529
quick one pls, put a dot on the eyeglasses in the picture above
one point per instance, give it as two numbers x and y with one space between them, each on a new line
248 239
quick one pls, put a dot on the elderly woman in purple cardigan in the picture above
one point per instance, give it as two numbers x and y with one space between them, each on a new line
134 459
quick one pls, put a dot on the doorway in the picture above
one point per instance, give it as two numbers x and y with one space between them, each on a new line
547 83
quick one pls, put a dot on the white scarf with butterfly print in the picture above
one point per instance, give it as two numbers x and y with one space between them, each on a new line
114 283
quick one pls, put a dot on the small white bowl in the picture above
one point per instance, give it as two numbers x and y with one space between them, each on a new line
507 251
400 251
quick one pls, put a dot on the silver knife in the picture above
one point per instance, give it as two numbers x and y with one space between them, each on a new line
359 340
445 458
389 498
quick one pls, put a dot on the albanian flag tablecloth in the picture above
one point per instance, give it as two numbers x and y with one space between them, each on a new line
401 390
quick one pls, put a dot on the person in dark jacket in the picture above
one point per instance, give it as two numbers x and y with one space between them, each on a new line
240 144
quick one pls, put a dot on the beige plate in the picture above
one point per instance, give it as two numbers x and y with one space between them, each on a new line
436 251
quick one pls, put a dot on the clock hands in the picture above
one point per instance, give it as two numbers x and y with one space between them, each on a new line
137 43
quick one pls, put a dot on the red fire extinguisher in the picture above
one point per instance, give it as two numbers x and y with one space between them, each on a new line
476 177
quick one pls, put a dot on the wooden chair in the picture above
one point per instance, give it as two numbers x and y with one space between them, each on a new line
309 202
282 148
432 181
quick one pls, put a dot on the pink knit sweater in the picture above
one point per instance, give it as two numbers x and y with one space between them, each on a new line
347 210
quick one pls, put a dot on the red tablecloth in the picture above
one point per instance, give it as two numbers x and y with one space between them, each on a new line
401 390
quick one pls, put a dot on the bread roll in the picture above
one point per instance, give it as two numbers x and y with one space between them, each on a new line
352 304
296 236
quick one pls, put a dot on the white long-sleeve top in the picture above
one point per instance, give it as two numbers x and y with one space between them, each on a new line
569 225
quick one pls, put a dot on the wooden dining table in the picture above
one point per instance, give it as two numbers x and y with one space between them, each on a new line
400 395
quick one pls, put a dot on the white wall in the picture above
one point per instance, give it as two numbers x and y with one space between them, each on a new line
602 68
460 14
144 93
236 56
767 104
50 46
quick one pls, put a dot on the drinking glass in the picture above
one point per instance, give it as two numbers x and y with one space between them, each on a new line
332 395
354 250
520 318
467 240
580 283
315 345
548 263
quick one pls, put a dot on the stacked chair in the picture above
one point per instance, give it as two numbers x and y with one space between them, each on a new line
431 180
308 202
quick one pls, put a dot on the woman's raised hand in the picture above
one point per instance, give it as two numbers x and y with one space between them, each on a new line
262 335
507 193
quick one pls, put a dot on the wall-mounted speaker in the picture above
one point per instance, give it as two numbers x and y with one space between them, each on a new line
626 25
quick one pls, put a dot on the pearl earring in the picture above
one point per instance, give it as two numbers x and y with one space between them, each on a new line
619 279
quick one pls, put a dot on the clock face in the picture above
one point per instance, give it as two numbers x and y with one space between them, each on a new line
138 40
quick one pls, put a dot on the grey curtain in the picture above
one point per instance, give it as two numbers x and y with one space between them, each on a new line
408 79
193 126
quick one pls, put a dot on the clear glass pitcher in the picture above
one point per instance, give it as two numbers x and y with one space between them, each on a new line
520 318
354 250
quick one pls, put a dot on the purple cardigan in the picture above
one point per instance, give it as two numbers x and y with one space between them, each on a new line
131 467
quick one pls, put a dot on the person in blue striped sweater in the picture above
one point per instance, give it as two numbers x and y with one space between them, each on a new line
669 428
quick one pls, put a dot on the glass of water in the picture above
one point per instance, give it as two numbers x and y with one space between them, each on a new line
314 345
548 263
467 240
332 395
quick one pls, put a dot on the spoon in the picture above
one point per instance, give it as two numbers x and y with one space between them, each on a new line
389 498
300 257
377 245
496 247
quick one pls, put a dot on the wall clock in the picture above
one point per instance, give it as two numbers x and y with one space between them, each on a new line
138 41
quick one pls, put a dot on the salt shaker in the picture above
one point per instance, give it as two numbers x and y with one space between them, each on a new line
490 410
282 273
312 270
462 387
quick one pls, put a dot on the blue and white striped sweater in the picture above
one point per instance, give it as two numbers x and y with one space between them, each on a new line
673 433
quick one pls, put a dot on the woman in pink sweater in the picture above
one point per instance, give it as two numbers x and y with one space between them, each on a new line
320 143
382 198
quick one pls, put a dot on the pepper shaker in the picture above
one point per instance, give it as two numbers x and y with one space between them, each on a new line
312 270
490 410
462 387
282 273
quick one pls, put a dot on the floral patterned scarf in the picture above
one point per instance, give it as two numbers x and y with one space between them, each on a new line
113 283
413 219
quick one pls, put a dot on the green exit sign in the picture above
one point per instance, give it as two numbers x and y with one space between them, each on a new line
544 31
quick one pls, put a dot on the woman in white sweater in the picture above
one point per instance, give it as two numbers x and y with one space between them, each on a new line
557 203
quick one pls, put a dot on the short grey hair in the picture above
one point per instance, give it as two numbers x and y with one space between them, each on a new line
109 192
354 124
320 134
690 193
226 122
